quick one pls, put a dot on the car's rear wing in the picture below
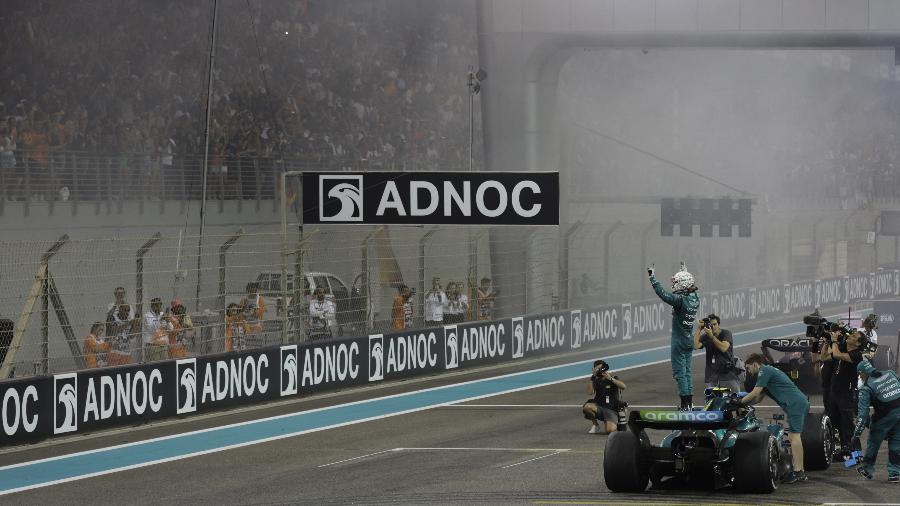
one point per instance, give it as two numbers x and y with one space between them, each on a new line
679 420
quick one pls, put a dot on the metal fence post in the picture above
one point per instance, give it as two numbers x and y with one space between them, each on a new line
139 281
564 265
223 250
606 236
422 243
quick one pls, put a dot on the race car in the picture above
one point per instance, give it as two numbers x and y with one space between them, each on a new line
796 358
723 440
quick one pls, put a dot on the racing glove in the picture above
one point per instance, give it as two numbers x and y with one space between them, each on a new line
651 271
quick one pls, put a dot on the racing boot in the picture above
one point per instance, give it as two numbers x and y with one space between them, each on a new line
687 403
796 476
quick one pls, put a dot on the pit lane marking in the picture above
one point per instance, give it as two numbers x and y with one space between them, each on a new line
556 451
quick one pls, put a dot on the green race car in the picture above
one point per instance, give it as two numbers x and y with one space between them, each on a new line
723 440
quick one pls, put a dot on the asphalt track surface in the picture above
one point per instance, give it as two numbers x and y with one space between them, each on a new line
525 447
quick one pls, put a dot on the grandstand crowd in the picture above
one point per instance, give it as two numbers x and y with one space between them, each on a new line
376 84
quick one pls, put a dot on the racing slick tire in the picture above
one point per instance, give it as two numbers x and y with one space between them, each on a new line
756 463
818 442
623 467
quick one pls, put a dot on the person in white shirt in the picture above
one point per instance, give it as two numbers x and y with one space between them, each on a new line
322 316
457 304
435 300
154 347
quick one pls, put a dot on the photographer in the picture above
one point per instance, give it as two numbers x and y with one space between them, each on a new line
685 303
881 390
826 369
605 403
771 381
846 355
720 368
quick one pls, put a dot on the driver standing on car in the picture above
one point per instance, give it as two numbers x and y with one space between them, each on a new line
720 370
881 390
685 304
771 381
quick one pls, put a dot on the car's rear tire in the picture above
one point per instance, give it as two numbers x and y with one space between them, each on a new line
818 442
623 467
756 463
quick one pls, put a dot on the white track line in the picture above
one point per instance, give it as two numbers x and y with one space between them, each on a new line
532 460
357 458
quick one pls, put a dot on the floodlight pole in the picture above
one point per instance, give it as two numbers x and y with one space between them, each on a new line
209 87
284 248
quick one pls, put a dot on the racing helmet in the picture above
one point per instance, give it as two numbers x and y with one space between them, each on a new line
682 280
865 367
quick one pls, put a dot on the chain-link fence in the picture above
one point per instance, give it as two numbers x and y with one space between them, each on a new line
55 291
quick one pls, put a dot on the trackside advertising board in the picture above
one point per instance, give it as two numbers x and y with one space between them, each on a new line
35 408
440 198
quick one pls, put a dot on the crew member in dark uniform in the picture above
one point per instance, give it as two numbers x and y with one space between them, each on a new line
842 396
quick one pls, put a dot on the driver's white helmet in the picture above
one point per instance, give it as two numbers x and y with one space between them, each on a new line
682 280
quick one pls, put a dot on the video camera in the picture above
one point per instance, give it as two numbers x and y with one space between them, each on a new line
705 322
819 329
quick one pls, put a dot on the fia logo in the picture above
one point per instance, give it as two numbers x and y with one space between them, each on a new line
451 347
576 329
289 370
376 357
186 396
65 403
627 327
340 198
518 337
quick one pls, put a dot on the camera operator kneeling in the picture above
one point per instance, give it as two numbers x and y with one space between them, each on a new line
720 366
770 380
845 354
605 404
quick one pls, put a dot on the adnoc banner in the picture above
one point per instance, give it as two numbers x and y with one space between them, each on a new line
440 198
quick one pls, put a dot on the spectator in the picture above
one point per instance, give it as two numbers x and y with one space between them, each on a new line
155 336
124 326
180 328
435 301
402 309
485 295
119 294
235 328
95 347
457 304
254 307
322 316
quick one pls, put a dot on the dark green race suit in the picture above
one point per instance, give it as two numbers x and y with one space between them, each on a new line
883 393
684 315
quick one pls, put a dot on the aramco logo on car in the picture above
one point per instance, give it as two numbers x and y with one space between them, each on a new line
682 416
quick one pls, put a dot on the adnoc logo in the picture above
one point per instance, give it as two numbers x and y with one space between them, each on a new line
65 405
186 397
451 347
576 329
518 337
343 193
376 357
289 370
